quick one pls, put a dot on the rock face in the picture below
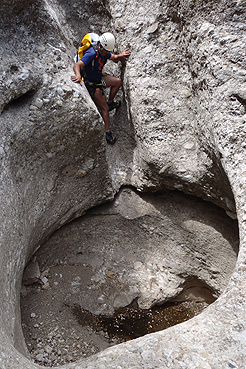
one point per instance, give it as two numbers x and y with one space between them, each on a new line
138 250
150 245
181 126
146 247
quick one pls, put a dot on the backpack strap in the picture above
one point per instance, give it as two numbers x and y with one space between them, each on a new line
82 70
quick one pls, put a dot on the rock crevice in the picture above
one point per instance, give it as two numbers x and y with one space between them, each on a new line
181 127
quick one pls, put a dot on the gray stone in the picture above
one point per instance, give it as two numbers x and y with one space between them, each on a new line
40 357
196 48
31 273
153 28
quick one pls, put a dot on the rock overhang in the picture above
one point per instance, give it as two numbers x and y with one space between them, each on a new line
28 213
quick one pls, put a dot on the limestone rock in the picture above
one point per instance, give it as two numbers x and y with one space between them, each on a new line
31 273
149 248
181 126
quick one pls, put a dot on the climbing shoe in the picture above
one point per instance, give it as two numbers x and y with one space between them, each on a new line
110 138
113 105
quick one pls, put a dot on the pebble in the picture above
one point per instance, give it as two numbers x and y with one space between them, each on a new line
33 107
60 91
48 349
189 145
81 173
38 103
148 49
41 48
153 28
59 103
39 357
138 265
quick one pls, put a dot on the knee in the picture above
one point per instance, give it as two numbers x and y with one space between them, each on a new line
118 82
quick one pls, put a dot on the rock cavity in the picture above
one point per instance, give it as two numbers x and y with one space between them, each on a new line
146 249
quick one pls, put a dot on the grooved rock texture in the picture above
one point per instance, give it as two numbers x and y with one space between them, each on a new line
149 245
182 126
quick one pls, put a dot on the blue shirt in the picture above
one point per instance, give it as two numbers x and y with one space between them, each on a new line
94 63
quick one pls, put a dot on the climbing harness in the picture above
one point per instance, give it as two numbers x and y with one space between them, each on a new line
93 86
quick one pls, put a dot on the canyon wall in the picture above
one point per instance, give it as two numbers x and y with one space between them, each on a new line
181 126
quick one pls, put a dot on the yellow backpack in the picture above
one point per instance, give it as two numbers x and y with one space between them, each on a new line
90 39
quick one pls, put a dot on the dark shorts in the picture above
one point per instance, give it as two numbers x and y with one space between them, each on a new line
93 86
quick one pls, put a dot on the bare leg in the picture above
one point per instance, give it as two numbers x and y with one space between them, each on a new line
113 82
101 102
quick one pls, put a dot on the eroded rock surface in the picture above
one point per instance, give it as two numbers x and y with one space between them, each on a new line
147 249
182 126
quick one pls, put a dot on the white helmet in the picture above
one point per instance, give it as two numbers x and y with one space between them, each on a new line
107 41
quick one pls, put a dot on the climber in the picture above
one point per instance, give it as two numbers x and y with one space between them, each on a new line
91 65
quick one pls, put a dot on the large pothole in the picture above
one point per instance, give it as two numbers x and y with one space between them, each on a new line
107 277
